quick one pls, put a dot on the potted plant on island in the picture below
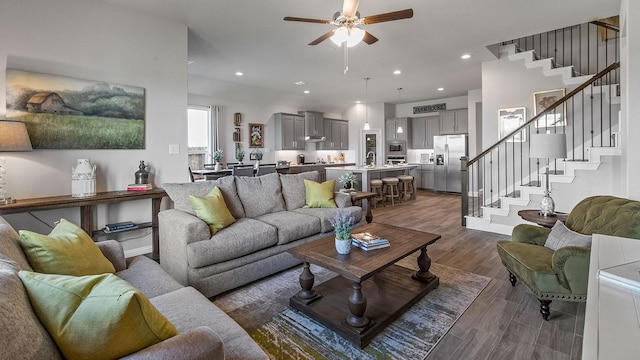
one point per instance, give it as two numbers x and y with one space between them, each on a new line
342 223
217 158
258 156
348 180
239 156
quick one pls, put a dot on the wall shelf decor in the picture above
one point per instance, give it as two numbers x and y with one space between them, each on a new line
237 120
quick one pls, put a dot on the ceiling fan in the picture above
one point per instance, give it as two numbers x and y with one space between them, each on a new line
348 24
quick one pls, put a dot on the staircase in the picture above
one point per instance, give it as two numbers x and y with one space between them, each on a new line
503 180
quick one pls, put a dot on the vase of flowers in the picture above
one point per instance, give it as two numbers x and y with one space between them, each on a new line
217 158
348 180
239 156
342 223
258 156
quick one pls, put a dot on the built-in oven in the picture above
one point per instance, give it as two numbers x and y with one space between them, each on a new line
396 159
396 148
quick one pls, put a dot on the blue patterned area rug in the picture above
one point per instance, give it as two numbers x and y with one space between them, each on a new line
292 335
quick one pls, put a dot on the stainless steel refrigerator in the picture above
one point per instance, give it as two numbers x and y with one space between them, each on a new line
448 149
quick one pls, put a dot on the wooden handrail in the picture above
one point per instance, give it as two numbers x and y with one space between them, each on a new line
547 110
605 25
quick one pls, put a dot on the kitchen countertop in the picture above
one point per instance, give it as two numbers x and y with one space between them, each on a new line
376 168
321 164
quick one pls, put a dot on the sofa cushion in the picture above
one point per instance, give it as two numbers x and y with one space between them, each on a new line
213 210
326 214
292 225
244 237
22 336
260 195
319 195
10 245
179 194
560 236
293 189
67 250
148 276
96 316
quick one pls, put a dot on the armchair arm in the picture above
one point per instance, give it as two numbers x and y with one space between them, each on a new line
112 250
571 265
199 343
530 234
178 229
343 200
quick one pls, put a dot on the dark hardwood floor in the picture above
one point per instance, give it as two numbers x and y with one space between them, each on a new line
504 321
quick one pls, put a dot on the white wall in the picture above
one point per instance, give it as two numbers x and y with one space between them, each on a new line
96 41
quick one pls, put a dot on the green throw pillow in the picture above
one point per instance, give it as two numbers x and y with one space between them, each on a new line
95 316
320 195
67 250
213 210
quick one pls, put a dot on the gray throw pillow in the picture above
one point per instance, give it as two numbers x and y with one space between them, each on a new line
561 236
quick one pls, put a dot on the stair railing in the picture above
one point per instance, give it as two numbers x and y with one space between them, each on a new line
499 170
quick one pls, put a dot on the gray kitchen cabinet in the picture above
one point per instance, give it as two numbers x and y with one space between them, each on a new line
454 122
289 131
427 178
391 129
337 134
423 130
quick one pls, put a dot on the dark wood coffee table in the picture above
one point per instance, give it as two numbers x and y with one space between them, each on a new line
356 309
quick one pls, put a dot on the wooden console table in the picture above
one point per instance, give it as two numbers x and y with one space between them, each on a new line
546 221
86 205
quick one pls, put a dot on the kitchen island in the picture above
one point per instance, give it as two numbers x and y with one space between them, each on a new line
364 174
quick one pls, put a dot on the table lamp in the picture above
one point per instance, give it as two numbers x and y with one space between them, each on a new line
549 146
13 137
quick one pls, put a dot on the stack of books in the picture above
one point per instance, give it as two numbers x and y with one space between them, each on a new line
121 226
139 187
367 241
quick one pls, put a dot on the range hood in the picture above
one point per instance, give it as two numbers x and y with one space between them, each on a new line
313 126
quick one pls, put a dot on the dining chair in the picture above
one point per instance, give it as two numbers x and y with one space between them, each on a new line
242 170
266 169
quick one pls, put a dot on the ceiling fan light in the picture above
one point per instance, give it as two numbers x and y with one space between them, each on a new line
339 36
355 36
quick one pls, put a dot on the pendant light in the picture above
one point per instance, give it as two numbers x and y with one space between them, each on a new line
399 130
366 104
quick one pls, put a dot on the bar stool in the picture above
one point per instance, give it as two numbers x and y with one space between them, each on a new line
391 189
376 187
407 186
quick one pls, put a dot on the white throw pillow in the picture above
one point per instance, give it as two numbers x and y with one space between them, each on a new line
561 236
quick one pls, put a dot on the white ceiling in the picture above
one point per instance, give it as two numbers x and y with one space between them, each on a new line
226 36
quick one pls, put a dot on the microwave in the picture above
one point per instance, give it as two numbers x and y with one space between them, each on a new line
396 148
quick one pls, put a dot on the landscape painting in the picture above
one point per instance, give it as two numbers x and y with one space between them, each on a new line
67 113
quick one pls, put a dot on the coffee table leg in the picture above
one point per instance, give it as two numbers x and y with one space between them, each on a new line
424 263
306 283
357 307
369 216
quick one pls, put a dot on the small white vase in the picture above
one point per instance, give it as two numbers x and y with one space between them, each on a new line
256 165
343 247
83 179
217 166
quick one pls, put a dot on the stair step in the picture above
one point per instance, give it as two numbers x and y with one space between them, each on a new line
577 80
545 64
486 225
565 72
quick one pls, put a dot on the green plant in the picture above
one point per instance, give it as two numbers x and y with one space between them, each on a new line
347 178
239 155
342 223
218 155
258 155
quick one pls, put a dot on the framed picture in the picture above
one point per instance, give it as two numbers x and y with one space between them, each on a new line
509 120
541 101
68 113
256 135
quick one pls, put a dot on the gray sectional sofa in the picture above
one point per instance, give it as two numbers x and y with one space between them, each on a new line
206 332
270 219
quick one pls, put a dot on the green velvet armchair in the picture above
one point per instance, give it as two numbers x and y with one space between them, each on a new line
563 274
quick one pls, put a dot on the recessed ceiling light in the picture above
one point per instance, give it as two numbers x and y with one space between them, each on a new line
358 101
300 83
307 91
239 73
440 89
397 72
465 56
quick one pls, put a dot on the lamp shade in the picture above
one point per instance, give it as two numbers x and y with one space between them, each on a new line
14 136
551 146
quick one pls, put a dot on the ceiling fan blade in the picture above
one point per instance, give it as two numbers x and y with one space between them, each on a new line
390 16
368 38
322 38
349 7
315 21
